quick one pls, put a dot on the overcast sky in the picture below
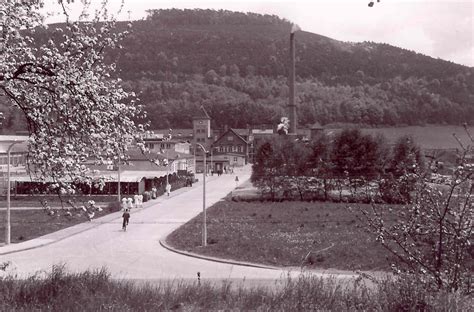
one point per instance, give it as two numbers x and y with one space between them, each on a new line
438 28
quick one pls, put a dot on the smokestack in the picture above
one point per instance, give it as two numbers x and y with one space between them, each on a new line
291 81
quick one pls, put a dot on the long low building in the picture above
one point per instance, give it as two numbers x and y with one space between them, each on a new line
131 182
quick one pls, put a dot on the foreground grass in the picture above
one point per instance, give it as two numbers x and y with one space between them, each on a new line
95 291
283 234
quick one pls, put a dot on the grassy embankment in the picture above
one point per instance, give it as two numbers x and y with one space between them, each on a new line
95 291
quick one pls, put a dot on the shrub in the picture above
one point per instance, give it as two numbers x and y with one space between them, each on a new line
146 196
114 206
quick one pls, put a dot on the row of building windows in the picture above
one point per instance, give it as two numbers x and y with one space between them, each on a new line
160 145
15 160
230 148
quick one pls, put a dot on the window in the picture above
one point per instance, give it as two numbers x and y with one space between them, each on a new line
235 159
230 138
234 148
221 149
239 148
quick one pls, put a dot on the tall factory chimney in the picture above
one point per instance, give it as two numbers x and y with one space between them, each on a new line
291 82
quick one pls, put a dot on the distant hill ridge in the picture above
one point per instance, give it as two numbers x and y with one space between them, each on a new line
263 39
236 64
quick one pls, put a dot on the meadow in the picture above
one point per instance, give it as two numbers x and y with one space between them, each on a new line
427 137
27 224
321 235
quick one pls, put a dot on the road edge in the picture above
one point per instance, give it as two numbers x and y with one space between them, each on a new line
163 244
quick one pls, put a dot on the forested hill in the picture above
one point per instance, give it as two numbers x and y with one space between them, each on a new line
236 64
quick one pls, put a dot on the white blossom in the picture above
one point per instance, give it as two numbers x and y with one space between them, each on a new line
65 91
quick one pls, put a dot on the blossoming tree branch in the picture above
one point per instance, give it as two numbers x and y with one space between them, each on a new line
75 107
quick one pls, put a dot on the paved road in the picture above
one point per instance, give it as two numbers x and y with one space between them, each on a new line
137 254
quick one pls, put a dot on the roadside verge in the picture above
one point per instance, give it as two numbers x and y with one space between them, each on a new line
220 260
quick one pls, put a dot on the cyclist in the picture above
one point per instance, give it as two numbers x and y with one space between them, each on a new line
126 218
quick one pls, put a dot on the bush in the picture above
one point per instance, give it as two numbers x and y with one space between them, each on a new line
114 206
146 196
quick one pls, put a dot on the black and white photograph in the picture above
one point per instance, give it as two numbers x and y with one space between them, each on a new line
239 155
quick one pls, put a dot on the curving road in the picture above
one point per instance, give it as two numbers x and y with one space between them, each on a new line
137 254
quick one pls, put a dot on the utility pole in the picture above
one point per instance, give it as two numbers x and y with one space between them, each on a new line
204 225
8 220
118 179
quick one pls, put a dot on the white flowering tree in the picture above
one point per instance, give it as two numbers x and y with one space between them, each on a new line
432 235
75 106
283 126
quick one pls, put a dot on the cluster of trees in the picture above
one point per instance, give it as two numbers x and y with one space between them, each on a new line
177 17
237 101
429 231
348 166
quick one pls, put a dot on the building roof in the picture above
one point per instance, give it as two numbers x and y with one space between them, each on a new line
175 133
243 132
136 154
136 175
202 114
109 176
316 126
173 141
234 132
20 141
221 156
262 131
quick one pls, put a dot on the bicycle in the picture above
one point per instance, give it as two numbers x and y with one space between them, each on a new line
126 218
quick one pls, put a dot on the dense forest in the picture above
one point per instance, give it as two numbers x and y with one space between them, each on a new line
236 66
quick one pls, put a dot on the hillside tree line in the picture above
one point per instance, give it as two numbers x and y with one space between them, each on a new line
236 64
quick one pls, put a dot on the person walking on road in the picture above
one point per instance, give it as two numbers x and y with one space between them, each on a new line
126 218
168 189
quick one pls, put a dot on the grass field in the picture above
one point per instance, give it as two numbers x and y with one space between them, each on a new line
283 234
27 224
427 137
54 200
